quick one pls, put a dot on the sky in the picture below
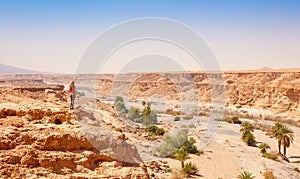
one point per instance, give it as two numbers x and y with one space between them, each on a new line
52 35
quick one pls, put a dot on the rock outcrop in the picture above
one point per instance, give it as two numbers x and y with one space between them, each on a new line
41 137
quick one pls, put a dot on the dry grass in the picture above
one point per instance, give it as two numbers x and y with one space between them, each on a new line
171 112
282 120
178 174
272 155
266 117
268 174
264 127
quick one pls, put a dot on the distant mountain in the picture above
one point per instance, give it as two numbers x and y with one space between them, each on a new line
265 68
6 69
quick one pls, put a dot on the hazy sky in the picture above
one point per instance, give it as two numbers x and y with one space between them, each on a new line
52 35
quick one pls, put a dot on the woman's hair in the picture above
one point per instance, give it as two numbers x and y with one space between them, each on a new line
72 84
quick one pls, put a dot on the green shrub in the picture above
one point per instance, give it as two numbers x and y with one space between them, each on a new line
80 93
120 105
233 120
190 169
138 120
190 146
200 152
154 130
174 143
246 175
249 139
150 118
134 113
289 107
146 116
236 120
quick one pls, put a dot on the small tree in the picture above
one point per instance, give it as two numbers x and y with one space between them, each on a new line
277 133
246 127
263 147
181 155
284 135
149 116
287 138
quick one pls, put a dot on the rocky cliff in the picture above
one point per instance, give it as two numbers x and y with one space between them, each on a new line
271 90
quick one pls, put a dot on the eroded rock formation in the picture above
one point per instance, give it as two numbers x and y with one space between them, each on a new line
41 137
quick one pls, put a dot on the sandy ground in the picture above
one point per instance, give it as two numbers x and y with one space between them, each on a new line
227 156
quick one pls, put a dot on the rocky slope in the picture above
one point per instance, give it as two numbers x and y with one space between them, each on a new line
273 90
276 91
41 137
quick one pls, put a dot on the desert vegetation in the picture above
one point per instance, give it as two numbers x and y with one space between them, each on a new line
120 105
263 147
180 141
154 130
190 169
268 174
247 136
246 175
284 136
233 120
147 116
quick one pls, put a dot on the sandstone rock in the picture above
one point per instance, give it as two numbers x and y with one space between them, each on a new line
12 159
64 142
7 139
122 136
108 144
30 158
35 114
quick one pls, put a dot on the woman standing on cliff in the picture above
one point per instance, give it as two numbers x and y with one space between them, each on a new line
72 91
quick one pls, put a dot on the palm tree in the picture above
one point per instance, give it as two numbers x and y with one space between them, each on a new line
181 155
277 133
263 147
287 138
246 127
284 135
246 175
